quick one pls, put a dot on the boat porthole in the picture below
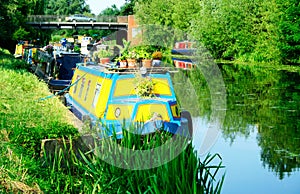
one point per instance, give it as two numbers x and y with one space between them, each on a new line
117 112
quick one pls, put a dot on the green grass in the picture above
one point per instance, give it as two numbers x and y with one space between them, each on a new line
23 116
25 121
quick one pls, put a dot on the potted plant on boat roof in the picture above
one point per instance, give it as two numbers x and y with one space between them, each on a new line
122 60
146 58
104 55
144 86
131 58
156 56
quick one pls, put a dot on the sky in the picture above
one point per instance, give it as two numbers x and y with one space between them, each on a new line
99 5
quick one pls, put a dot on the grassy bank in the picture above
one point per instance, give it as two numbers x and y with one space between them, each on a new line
25 120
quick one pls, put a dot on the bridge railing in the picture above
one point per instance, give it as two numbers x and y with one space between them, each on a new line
61 18
45 18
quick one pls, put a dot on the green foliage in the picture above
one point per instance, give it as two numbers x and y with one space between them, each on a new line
123 50
142 51
155 12
238 30
113 11
128 7
15 169
289 42
56 38
253 31
103 53
8 61
62 7
184 12
144 86
77 49
186 172
14 18
20 34
172 14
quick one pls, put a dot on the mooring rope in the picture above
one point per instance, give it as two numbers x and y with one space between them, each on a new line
61 91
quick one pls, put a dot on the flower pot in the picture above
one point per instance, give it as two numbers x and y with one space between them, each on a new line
147 63
156 62
123 64
131 63
104 60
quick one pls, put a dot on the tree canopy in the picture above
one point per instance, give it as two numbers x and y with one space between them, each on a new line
13 21
260 31
13 16
63 7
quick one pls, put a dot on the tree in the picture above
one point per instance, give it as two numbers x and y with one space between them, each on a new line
251 31
175 14
289 42
241 29
13 16
113 11
128 7
63 7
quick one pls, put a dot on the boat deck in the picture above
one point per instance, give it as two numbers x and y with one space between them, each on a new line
117 70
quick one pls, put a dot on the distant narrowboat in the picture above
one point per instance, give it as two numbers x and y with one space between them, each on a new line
183 53
109 99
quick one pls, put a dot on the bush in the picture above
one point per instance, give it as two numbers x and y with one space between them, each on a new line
10 62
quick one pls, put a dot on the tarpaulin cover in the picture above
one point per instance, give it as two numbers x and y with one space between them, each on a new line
67 64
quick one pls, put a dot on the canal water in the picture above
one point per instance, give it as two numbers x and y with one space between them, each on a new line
259 138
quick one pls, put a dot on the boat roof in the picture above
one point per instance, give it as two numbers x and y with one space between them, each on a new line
135 100
108 69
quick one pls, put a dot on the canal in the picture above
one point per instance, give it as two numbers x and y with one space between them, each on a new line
259 137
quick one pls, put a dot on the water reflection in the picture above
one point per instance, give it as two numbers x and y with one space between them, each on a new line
269 100
264 100
279 135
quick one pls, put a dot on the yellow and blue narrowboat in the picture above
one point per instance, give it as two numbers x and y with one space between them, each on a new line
109 97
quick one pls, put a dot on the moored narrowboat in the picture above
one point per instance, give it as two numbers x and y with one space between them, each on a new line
112 98
182 55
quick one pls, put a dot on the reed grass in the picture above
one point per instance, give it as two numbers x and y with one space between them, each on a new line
184 174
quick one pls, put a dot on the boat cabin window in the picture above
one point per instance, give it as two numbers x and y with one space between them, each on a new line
75 87
87 90
97 93
81 87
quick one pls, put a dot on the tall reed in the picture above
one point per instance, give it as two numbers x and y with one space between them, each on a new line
90 172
